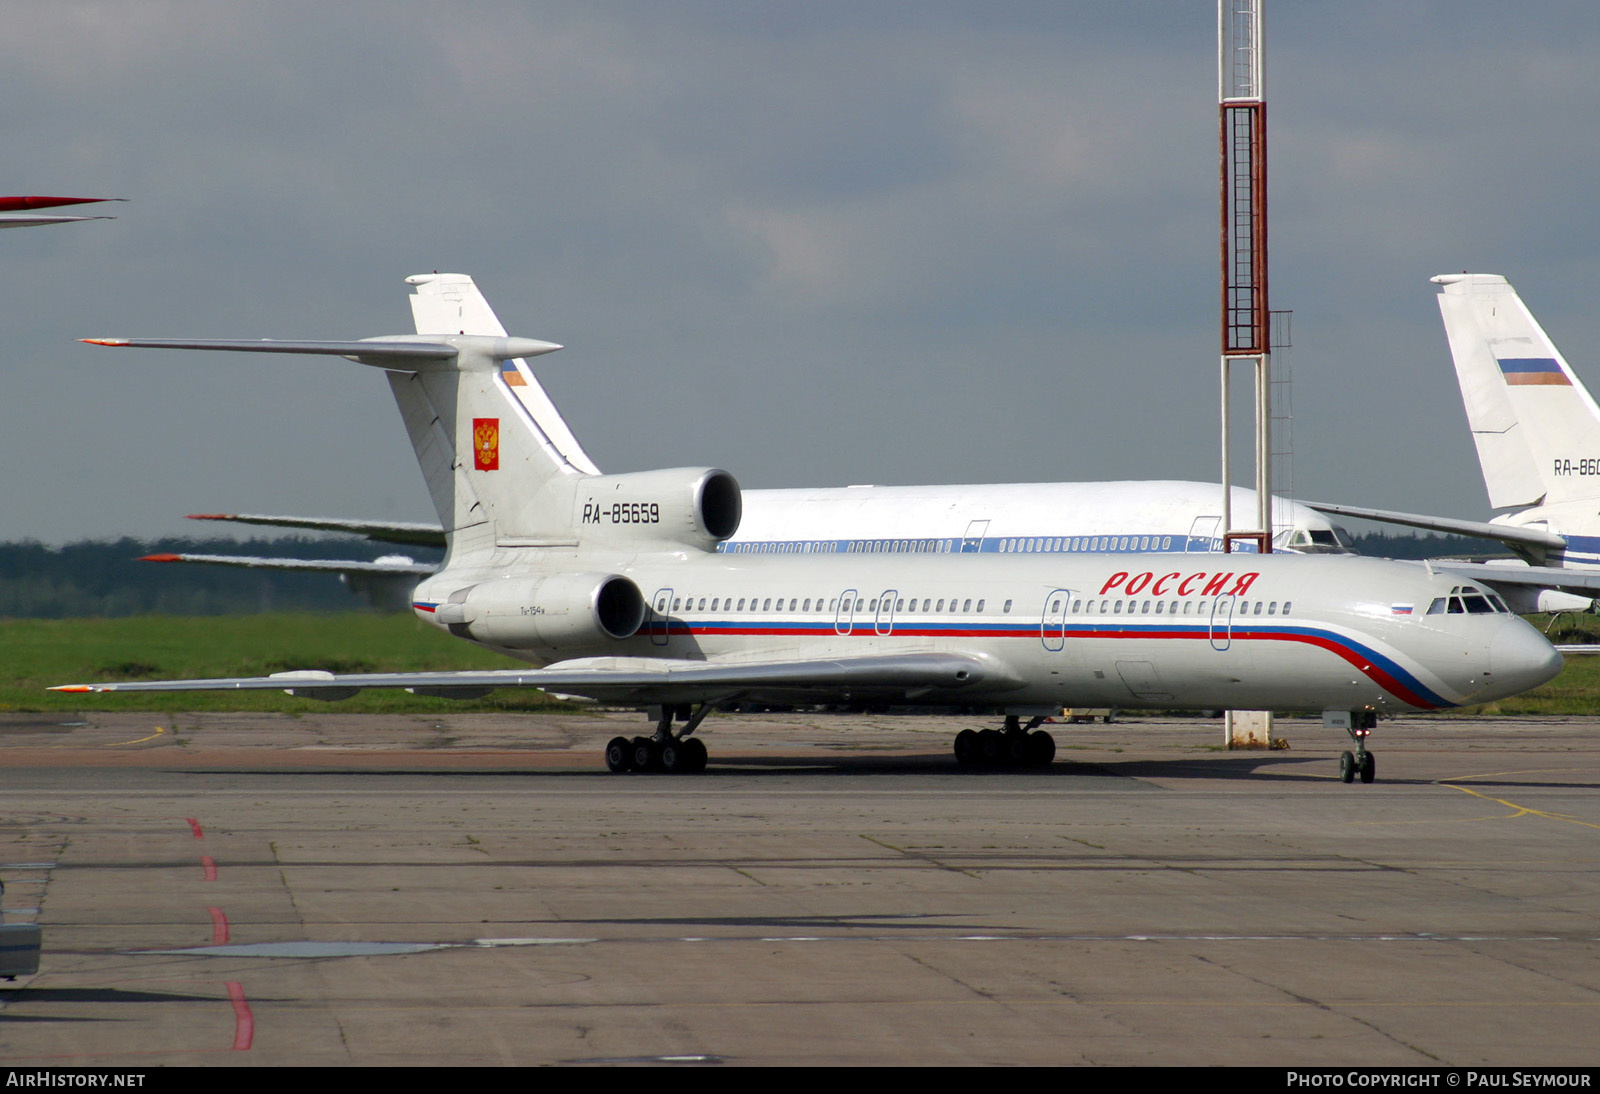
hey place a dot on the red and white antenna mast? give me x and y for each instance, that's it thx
(1246, 321)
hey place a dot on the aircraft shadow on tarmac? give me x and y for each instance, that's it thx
(1250, 766)
(1255, 766)
(35, 996)
(927, 921)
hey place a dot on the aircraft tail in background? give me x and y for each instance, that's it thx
(1537, 432)
(1535, 425)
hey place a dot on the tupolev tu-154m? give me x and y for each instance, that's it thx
(992, 518)
(612, 587)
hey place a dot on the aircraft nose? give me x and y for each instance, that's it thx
(1520, 658)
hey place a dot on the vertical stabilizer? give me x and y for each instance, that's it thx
(443, 304)
(1535, 425)
(488, 467)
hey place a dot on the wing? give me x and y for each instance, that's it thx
(381, 567)
(917, 677)
(411, 533)
(29, 220)
(1531, 543)
(385, 583)
(1579, 582)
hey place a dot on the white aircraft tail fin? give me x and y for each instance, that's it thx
(513, 424)
(1535, 425)
(452, 304)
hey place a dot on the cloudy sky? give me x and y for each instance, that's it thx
(813, 243)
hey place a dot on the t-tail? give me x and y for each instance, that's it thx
(502, 466)
(1535, 425)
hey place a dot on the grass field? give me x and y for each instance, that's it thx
(36, 653)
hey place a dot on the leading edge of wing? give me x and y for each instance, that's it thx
(1505, 533)
(413, 533)
(635, 679)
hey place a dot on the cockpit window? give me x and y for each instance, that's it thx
(1319, 541)
(1468, 600)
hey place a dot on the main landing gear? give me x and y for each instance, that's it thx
(1013, 746)
(1359, 762)
(673, 753)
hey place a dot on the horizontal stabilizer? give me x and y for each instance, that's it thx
(645, 680)
(405, 352)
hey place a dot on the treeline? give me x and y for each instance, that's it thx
(106, 578)
(1431, 545)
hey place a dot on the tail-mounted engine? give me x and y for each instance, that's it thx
(695, 506)
(562, 612)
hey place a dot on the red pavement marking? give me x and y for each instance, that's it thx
(244, 1023)
(211, 867)
(194, 826)
(219, 926)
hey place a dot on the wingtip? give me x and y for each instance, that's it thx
(72, 687)
(162, 557)
(209, 516)
(104, 341)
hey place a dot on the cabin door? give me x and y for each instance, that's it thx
(972, 542)
(1053, 620)
(1222, 622)
(661, 617)
(844, 619)
(1203, 534)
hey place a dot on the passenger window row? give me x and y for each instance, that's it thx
(969, 605)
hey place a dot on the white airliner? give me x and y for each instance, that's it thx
(1537, 431)
(1004, 518)
(615, 587)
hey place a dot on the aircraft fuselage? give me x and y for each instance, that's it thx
(1157, 631)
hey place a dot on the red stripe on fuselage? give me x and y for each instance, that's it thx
(1194, 633)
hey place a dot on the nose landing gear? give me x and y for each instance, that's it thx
(1358, 723)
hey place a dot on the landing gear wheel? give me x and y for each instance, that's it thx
(644, 756)
(1041, 749)
(695, 755)
(1368, 767)
(618, 753)
(991, 746)
(1019, 749)
(1347, 767)
(966, 748)
(673, 758)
